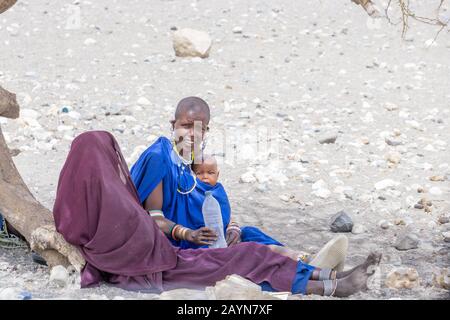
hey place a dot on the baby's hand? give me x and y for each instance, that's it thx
(202, 236)
(233, 236)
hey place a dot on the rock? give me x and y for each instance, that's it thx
(390, 106)
(247, 177)
(393, 142)
(387, 183)
(441, 279)
(327, 139)
(322, 193)
(446, 236)
(10, 294)
(407, 242)
(237, 30)
(284, 198)
(143, 101)
(435, 191)
(235, 287)
(191, 43)
(90, 41)
(184, 294)
(59, 276)
(444, 219)
(384, 224)
(320, 189)
(341, 222)
(393, 157)
(403, 278)
(358, 228)
(437, 178)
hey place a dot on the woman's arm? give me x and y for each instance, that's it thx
(202, 236)
(155, 202)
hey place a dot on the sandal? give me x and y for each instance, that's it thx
(332, 255)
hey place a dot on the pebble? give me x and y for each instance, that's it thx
(393, 157)
(237, 30)
(59, 276)
(403, 278)
(393, 142)
(437, 178)
(407, 242)
(327, 139)
(90, 41)
(143, 101)
(389, 106)
(247, 177)
(441, 279)
(384, 224)
(320, 189)
(358, 228)
(341, 222)
(446, 236)
(444, 219)
(435, 191)
(387, 183)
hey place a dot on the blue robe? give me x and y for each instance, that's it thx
(160, 162)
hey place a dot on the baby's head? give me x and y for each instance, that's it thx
(207, 171)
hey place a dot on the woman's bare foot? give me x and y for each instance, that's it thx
(357, 280)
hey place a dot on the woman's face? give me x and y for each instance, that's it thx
(190, 130)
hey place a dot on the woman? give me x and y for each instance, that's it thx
(169, 191)
(97, 209)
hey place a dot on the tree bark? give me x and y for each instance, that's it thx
(368, 6)
(6, 4)
(31, 219)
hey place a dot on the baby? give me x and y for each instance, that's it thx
(207, 171)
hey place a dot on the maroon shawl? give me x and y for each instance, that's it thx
(97, 209)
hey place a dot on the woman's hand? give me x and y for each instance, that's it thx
(202, 236)
(233, 236)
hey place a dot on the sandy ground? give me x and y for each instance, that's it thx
(300, 69)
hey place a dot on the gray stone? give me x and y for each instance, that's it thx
(327, 139)
(341, 222)
(407, 242)
(444, 219)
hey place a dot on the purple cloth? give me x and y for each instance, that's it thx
(97, 209)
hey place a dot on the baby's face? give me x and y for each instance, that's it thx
(207, 172)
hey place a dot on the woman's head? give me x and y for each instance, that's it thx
(191, 123)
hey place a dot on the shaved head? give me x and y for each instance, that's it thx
(193, 105)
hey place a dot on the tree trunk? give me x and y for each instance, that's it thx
(368, 6)
(6, 4)
(23, 211)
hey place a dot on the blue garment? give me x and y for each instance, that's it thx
(161, 162)
(1, 222)
(304, 273)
